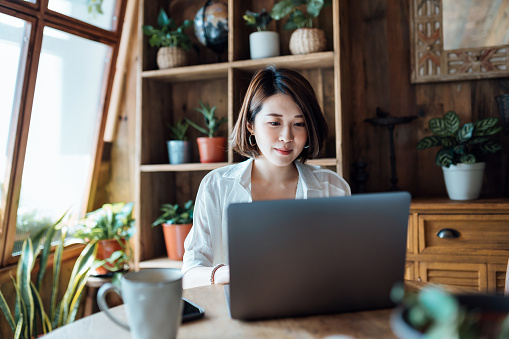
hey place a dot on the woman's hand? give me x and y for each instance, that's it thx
(222, 275)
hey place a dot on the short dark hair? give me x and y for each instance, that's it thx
(270, 81)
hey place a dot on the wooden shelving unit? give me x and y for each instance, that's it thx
(165, 96)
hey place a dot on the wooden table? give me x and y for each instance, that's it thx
(218, 324)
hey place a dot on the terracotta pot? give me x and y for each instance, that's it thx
(212, 149)
(174, 236)
(105, 248)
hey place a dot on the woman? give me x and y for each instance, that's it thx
(280, 126)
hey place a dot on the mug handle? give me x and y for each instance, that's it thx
(103, 305)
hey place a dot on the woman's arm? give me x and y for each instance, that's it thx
(200, 276)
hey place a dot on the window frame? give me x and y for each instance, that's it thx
(39, 16)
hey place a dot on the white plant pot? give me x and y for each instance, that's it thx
(464, 181)
(264, 44)
(179, 151)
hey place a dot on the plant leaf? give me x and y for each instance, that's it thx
(468, 158)
(281, 9)
(25, 266)
(314, 7)
(437, 126)
(465, 133)
(7, 312)
(490, 147)
(452, 122)
(428, 142)
(444, 158)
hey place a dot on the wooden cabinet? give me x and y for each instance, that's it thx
(462, 244)
(165, 96)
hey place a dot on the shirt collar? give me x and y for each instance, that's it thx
(242, 172)
(307, 178)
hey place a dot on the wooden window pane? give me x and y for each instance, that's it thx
(95, 12)
(63, 131)
(14, 36)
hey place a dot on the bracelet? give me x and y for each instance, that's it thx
(214, 272)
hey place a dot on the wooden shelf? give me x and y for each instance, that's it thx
(182, 167)
(304, 61)
(211, 166)
(220, 70)
(169, 95)
(189, 73)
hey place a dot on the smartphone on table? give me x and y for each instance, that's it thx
(191, 311)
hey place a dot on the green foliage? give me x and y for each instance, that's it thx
(95, 7)
(211, 121)
(166, 35)
(467, 144)
(260, 21)
(175, 214)
(438, 314)
(301, 12)
(111, 221)
(29, 308)
(179, 130)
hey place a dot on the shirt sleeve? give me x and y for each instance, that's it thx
(199, 244)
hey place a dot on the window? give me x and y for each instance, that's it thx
(55, 81)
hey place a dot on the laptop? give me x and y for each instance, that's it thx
(291, 258)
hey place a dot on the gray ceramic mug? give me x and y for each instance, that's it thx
(153, 302)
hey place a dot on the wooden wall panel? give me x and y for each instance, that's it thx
(379, 51)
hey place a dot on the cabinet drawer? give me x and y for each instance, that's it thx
(469, 276)
(473, 234)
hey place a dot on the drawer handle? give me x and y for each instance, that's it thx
(448, 233)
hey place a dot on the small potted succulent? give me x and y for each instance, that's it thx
(262, 43)
(305, 39)
(179, 151)
(176, 222)
(462, 153)
(173, 43)
(211, 148)
(110, 226)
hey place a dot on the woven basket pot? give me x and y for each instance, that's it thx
(168, 57)
(307, 40)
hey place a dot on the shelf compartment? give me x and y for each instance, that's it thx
(189, 73)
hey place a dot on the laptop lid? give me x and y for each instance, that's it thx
(324, 255)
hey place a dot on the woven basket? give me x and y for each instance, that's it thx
(307, 40)
(168, 57)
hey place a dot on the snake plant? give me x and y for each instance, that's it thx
(29, 308)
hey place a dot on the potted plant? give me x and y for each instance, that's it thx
(173, 43)
(433, 312)
(110, 227)
(176, 222)
(262, 43)
(32, 315)
(462, 152)
(211, 148)
(178, 147)
(305, 39)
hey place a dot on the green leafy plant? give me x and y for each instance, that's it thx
(179, 129)
(260, 20)
(111, 221)
(175, 214)
(29, 307)
(467, 144)
(167, 35)
(301, 12)
(437, 314)
(211, 121)
(95, 7)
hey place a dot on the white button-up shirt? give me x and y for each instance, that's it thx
(206, 244)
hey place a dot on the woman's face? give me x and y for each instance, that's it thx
(280, 130)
